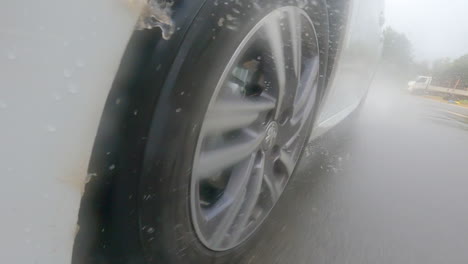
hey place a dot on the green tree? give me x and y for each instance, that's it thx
(459, 70)
(441, 72)
(448, 73)
(441, 66)
(397, 50)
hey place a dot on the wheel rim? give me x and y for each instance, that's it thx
(254, 129)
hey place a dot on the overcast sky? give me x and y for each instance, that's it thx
(437, 28)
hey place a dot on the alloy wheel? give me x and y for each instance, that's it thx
(255, 128)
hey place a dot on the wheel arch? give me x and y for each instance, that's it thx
(121, 138)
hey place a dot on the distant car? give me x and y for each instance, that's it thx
(421, 84)
(170, 143)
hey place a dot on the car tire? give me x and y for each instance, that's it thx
(165, 229)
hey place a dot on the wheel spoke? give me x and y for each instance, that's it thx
(235, 114)
(253, 193)
(270, 182)
(222, 228)
(239, 181)
(287, 160)
(295, 27)
(272, 187)
(275, 41)
(229, 154)
(303, 95)
(289, 133)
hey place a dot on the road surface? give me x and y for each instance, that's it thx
(391, 188)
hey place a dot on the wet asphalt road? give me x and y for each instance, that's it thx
(391, 187)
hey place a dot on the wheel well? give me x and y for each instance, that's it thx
(128, 103)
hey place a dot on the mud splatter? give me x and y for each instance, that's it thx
(157, 14)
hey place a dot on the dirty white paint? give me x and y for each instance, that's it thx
(58, 59)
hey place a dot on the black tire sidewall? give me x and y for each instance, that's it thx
(166, 232)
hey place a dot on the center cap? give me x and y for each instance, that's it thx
(270, 138)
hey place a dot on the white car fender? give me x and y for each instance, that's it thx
(57, 63)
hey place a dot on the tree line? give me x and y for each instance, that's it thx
(398, 53)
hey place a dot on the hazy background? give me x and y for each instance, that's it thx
(436, 28)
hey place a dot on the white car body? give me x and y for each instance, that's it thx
(353, 72)
(57, 63)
